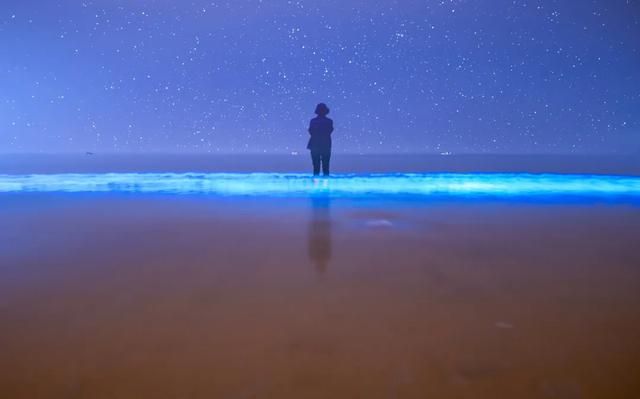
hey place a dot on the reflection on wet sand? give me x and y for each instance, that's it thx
(319, 237)
(165, 297)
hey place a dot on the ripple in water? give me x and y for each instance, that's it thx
(342, 185)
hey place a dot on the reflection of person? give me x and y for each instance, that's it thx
(320, 129)
(319, 238)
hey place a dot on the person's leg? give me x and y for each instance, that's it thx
(315, 159)
(325, 162)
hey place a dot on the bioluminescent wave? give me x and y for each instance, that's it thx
(341, 185)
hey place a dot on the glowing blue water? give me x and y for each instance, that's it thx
(345, 185)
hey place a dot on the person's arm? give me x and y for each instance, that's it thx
(311, 128)
(330, 127)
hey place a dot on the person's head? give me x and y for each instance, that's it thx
(322, 109)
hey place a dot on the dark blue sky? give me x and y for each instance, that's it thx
(456, 76)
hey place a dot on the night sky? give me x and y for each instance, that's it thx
(459, 76)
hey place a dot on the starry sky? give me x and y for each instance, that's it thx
(244, 76)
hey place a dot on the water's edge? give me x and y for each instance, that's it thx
(339, 185)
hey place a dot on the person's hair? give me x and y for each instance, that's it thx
(322, 109)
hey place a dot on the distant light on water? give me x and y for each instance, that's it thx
(342, 185)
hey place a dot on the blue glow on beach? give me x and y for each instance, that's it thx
(341, 185)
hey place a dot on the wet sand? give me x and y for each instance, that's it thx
(134, 296)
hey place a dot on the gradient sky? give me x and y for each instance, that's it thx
(460, 76)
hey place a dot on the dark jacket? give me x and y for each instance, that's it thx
(320, 129)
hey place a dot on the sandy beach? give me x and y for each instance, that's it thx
(143, 296)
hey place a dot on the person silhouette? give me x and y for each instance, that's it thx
(320, 129)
